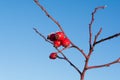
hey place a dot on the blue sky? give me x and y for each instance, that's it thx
(25, 56)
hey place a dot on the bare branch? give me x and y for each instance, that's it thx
(91, 44)
(90, 40)
(60, 51)
(105, 65)
(60, 27)
(91, 22)
(66, 59)
(96, 36)
(42, 35)
(108, 38)
(90, 30)
(48, 15)
(79, 49)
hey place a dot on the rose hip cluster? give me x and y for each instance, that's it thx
(58, 39)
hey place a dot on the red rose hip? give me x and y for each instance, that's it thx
(53, 55)
(59, 35)
(66, 42)
(51, 37)
(57, 43)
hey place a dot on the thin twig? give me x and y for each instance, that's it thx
(108, 38)
(48, 15)
(96, 36)
(65, 58)
(90, 29)
(59, 57)
(79, 49)
(42, 35)
(105, 65)
(91, 22)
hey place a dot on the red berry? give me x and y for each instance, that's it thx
(53, 55)
(66, 42)
(57, 43)
(51, 37)
(59, 35)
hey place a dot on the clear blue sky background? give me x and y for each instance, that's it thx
(25, 56)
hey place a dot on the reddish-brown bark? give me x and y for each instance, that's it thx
(92, 43)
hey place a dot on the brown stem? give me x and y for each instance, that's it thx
(60, 27)
(48, 15)
(65, 58)
(90, 25)
(98, 66)
(60, 51)
(90, 30)
(90, 41)
(105, 65)
(79, 49)
(85, 69)
(82, 76)
(96, 36)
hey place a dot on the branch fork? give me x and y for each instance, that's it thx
(92, 43)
